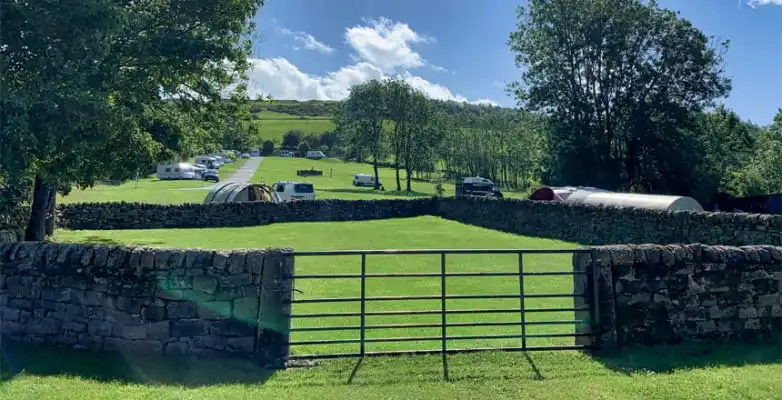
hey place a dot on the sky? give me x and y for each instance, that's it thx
(457, 49)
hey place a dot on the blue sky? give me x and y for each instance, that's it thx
(456, 49)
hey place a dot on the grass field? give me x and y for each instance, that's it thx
(336, 182)
(273, 125)
(148, 190)
(678, 372)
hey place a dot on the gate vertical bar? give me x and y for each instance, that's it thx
(595, 298)
(521, 303)
(362, 348)
(443, 316)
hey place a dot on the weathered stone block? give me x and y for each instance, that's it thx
(181, 309)
(246, 309)
(154, 313)
(99, 328)
(189, 328)
(147, 347)
(159, 330)
(204, 285)
(241, 345)
(130, 331)
(214, 310)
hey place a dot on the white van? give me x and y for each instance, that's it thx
(364, 180)
(291, 191)
(176, 171)
(208, 161)
(315, 155)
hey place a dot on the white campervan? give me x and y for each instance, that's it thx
(176, 171)
(364, 180)
(291, 191)
(315, 155)
(208, 161)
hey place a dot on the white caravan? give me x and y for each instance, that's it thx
(176, 171)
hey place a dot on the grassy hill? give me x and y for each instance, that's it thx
(273, 118)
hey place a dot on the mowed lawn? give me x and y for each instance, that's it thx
(683, 372)
(148, 190)
(337, 179)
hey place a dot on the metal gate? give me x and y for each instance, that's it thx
(442, 295)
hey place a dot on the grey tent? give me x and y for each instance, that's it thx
(230, 192)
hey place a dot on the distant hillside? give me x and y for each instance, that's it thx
(274, 118)
(327, 108)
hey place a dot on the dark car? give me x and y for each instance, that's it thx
(211, 176)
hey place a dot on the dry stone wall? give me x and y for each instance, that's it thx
(140, 300)
(156, 216)
(652, 294)
(595, 225)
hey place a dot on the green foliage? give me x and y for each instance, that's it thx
(291, 140)
(621, 81)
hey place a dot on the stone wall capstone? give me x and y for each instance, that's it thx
(141, 300)
(596, 225)
(158, 216)
(653, 294)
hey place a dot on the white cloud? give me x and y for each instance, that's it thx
(308, 41)
(381, 51)
(386, 44)
(758, 3)
(438, 68)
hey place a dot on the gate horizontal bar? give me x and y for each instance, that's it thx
(438, 312)
(430, 275)
(431, 325)
(437, 351)
(434, 251)
(449, 297)
(435, 338)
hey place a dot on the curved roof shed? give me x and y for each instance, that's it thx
(648, 201)
(231, 192)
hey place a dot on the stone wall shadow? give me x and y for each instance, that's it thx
(39, 360)
(669, 358)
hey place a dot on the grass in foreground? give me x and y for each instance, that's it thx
(413, 233)
(337, 179)
(148, 190)
(679, 372)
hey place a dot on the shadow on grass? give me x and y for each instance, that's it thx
(378, 192)
(94, 239)
(667, 359)
(17, 359)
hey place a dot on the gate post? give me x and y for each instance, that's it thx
(274, 311)
(597, 305)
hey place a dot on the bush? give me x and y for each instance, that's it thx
(268, 148)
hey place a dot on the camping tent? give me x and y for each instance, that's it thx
(230, 192)
(648, 201)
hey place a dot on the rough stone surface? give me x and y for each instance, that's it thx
(139, 300)
(592, 225)
(653, 294)
(596, 225)
(155, 216)
(9, 236)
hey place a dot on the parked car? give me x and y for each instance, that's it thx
(315, 155)
(365, 180)
(286, 153)
(245, 155)
(210, 175)
(208, 161)
(478, 186)
(291, 191)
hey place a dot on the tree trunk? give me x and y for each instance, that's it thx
(398, 182)
(409, 188)
(50, 211)
(36, 225)
(377, 177)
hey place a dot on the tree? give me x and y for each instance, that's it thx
(91, 86)
(619, 80)
(398, 94)
(291, 139)
(303, 149)
(268, 148)
(329, 140)
(364, 112)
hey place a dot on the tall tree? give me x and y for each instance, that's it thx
(364, 112)
(619, 79)
(398, 96)
(91, 86)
